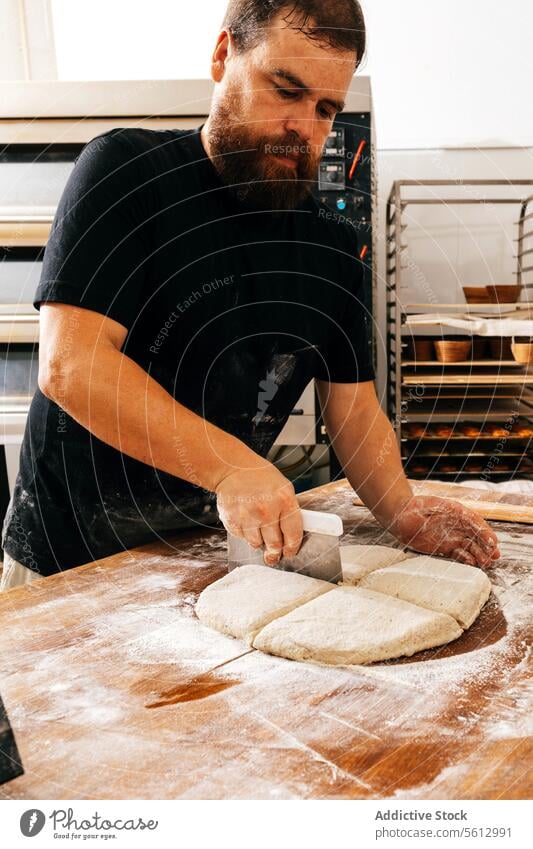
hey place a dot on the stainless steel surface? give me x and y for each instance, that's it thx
(318, 556)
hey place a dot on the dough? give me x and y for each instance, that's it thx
(358, 560)
(352, 625)
(441, 585)
(249, 597)
(411, 605)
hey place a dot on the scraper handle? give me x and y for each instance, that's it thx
(322, 523)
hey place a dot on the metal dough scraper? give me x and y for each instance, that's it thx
(318, 555)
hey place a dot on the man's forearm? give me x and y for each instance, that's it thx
(368, 451)
(117, 401)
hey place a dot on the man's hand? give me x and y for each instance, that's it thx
(259, 504)
(439, 526)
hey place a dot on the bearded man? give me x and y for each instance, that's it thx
(186, 271)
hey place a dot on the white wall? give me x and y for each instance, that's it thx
(451, 73)
(133, 39)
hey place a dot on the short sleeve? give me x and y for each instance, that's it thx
(348, 356)
(97, 253)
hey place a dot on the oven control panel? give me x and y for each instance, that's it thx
(345, 186)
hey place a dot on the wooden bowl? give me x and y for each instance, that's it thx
(449, 351)
(420, 348)
(476, 294)
(522, 350)
(503, 294)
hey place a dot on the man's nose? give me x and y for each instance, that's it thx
(303, 125)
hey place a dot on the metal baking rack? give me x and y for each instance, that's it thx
(467, 419)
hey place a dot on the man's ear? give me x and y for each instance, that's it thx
(220, 56)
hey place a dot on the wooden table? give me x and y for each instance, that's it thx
(115, 690)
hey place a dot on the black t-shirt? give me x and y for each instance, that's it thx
(232, 311)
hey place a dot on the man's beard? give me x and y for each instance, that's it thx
(253, 174)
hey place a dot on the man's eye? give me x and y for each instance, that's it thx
(287, 93)
(326, 114)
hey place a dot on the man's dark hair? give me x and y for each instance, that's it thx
(337, 23)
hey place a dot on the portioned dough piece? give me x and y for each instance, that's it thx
(441, 585)
(352, 625)
(358, 560)
(249, 597)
